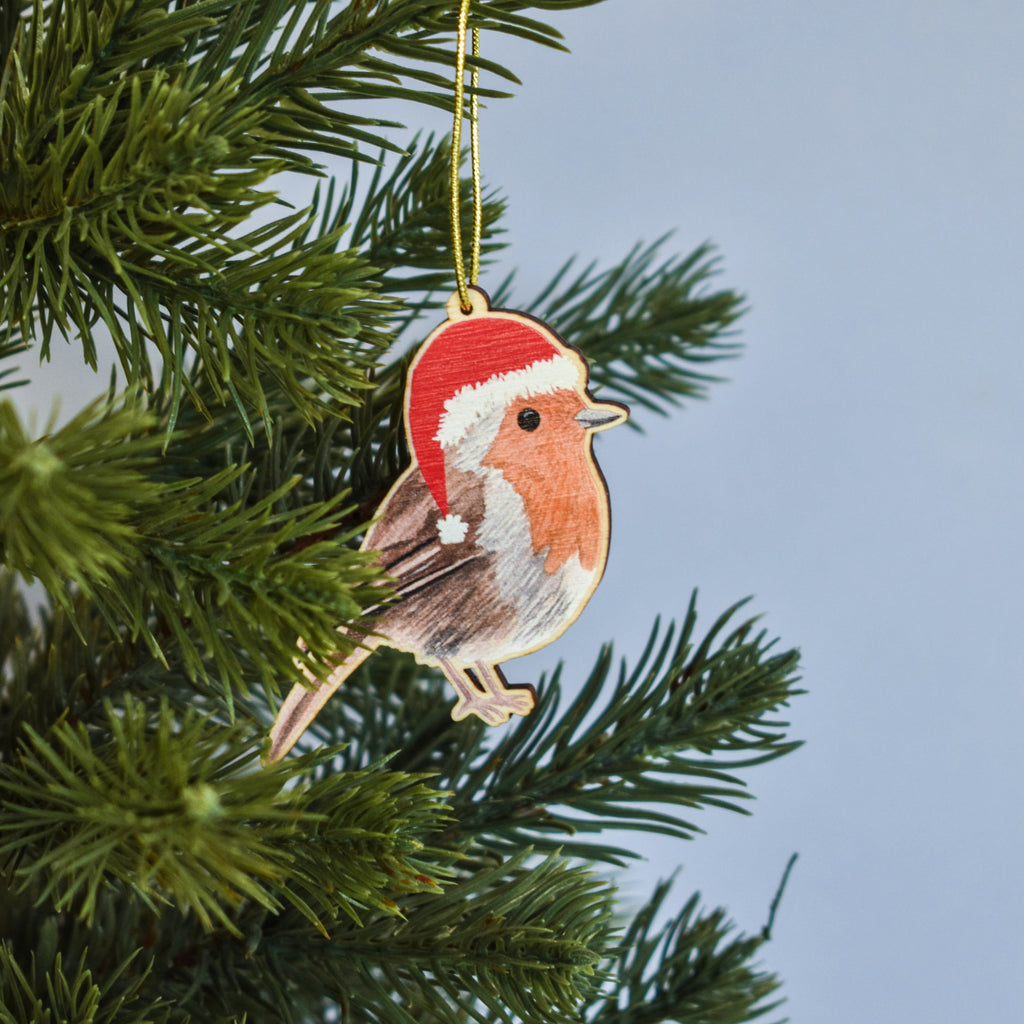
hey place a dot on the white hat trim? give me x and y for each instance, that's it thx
(472, 403)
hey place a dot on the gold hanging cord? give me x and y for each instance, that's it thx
(474, 118)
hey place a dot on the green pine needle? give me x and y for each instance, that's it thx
(43, 990)
(11, 346)
(66, 498)
(668, 736)
(124, 172)
(647, 325)
(690, 969)
(635, 750)
(179, 564)
(180, 813)
(520, 941)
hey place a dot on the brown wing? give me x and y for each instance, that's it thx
(405, 532)
(449, 596)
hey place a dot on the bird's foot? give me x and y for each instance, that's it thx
(494, 708)
(483, 692)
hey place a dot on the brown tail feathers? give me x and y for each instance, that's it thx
(303, 704)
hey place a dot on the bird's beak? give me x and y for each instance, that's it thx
(601, 416)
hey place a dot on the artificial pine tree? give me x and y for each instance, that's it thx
(191, 523)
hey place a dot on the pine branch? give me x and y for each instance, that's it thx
(230, 577)
(644, 325)
(179, 813)
(402, 224)
(140, 960)
(125, 171)
(66, 497)
(188, 562)
(688, 970)
(48, 988)
(521, 943)
(612, 759)
(55, 665)
(627, 753)
(514, 941)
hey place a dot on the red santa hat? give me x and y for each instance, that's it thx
(469, 366)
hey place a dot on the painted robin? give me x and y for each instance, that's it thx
(497, 533)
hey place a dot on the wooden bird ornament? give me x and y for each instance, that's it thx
(497, 533)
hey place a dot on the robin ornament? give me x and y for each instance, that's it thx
(497, 533)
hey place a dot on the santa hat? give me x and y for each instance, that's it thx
(472, 364)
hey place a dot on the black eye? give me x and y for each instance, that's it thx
(528, 419)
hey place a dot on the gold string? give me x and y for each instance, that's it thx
(474, 123)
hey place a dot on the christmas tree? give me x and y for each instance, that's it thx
(204, 512)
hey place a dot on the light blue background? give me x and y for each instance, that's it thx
(860, 168)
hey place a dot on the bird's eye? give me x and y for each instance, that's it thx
(528, 419)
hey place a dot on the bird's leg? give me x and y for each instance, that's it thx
(472, 700)
(518, 699)
(493, 700)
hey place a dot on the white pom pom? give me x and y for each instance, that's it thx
(452, 529)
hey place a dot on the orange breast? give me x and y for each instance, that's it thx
(553, 470)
